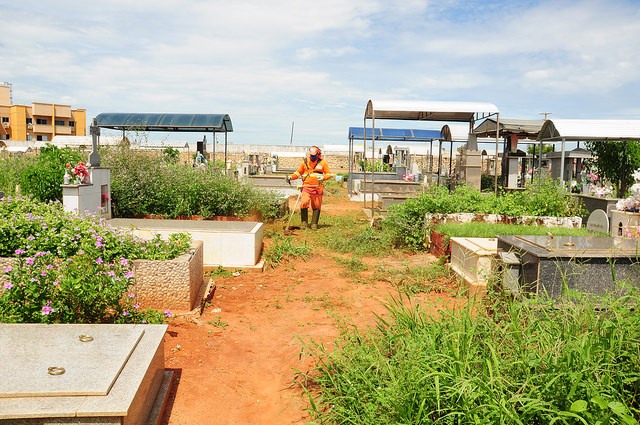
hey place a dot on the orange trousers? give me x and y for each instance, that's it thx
(311, 196)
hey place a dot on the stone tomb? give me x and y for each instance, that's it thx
(225, 243)
(550, 265)
(81, 374)
(474, 259)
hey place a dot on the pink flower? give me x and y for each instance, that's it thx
(136, 306)
(125, 313)
(29, 260)
(8, 269)
(19, 251)
(123, 261)
(128, 275)
(132, 295)
(47, 309)
(8, 285)
(99, 260)
(168, 313)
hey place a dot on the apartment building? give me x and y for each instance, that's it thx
(40, 121)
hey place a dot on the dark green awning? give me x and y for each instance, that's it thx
(198, 123)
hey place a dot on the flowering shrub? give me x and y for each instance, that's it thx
(631, 203)
(34, 226)
(71, 269)
(78, 289)
(631, 231)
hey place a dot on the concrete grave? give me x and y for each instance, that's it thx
(552, 265)
(598, 221)
(225, 243)
(474, 260)
(81, 374)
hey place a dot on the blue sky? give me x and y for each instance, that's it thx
(270, 62)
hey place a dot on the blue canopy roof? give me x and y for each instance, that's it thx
(397, 134)
(199, 123)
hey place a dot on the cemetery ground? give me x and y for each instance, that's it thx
(236, 363)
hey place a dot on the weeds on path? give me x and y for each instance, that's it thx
(528, 364)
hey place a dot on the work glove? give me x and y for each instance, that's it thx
(318, 176)
(287, 179)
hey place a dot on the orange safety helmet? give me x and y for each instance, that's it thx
(314, 150)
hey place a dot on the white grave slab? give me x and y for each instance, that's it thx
(473, 260)
(50, 361)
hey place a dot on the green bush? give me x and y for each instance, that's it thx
(34, 226)
(532, 363)
(38, 176)
(143, 183)
(547, 197)
(71, 269)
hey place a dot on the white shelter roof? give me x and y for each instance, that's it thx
(428, 110)
(455, 132)
(587, 130)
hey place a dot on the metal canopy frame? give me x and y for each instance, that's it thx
(564, 130)
(413, 110)
(390, 135)
(184, 123)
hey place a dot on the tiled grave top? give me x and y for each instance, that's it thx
(185, 225)
(570, 246)
(90, 367)
(479, 246)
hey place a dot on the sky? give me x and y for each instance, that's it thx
(315, 64)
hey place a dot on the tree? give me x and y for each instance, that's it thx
(533, 149)
(616, 161)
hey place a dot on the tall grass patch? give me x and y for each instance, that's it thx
(526, 363)
(489, 230)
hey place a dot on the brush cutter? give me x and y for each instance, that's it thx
(288, 229)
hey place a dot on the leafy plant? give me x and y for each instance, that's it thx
(284, 248)
(43, 178)
(490, 230)
(78, 289)
(512, 363)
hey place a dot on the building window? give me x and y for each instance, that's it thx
(29, 137)
(41, 121)
(72, 123)
(59, 122)
(6, 137)
(42, 138)
(29, 120)
(5, 119)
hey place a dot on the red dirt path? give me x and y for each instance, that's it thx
(242, 373)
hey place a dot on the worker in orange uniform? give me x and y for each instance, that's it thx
(314, 171)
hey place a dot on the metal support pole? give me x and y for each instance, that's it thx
(430, 161)
(214, 148)
(225, 149)
(495, 165)
(562, 162)
(450, 156)
(350, 177)
(540, 162)
(364, 165)
(439, 160)
(373, 160)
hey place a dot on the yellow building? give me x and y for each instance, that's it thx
(40, 121)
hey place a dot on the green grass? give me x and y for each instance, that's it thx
(526, 363)
(412, 280)
(488, 230)
(347, 234)
(284, 248)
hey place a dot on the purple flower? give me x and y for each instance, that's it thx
(132, 295)
(8, 285)
(123, 261)
(30, 237)
(49, 266)
(47, 309)
(8, 269)
(20, 251)
(99, 260)
(128, 275)
(43, 273)
(29, 260)
(112, 273)
(144, 321)
(81, 252)
(125, 313)
(136, 306)
(168, 313)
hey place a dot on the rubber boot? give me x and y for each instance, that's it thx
(314, 219)
(304, 218)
